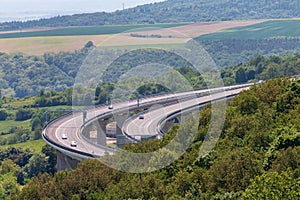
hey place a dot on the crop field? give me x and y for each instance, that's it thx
(90, 30)
(125, 40)
(41, 45)
(170, 36)
(265, 30)
(197, 29)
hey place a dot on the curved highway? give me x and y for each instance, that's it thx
(71, 125)
(148, 124)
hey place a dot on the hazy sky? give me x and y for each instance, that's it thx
(32, 9)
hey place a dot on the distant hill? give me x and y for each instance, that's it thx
(238, 45)
(174, 11)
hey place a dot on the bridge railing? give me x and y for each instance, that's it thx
(55, 144)
(159, 128)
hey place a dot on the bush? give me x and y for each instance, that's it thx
(23, 114)
(3, 115)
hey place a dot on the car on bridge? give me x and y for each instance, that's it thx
(110, 107)
(64, 136)
(73, 143)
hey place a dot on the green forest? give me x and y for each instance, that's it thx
(257, 157)
(22, 75)
(172, 11)
(262, 68)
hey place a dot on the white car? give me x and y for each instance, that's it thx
(110, 107)
(141, 117)
(73, 143)
(64, 136)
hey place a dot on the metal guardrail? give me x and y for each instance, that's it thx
(174, 114)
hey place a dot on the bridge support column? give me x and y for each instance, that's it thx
(87, 131)
(65, 162)
(168, 124)
(121, 139)
(101, 132)
(177, 120)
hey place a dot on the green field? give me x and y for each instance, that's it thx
(35, 145)
(154, 46)
(90, 30)
(5, 126)
(265, 30)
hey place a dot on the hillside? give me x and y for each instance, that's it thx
(23, 75)
(233, 46)
(256, 157)
(174, 11)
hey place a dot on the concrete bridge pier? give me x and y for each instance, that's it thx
(121, 139)
(101, 131)
(65, 162)
(96, 131)
(168, 124)
(87, 131)
(177, 120)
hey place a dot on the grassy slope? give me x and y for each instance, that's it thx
(265, 30)
(35, 146)
(5, 126)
